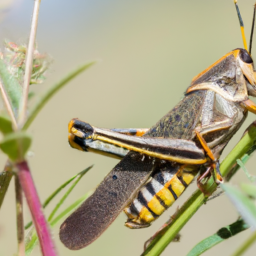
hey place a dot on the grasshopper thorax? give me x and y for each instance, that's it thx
(233, 77)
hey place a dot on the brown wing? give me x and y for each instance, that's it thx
(112, 195)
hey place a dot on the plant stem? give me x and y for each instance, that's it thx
(198, 198)
(33, 201)
(5, 178)
(29, 64)
(8, 106)
(19, 214)
(246, 245)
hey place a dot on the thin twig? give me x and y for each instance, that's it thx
(29, 64)
(8, 106)
(34, 204)
(19, 214)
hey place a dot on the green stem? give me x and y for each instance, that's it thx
(19, 218)
(246, 245)
(159, 243)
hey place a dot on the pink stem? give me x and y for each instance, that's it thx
(33, 201)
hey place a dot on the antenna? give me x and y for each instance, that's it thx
(241, 25)
(253, 21)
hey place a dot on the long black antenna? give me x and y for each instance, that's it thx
(241, 25)
(253, 21)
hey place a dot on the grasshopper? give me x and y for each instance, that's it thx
(159, 163)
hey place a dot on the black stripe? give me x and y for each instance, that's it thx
(152, 191)
(159, 177)
(134, 210)
(182, 181)
(150, 188)
(173, 193)
(144, 202)
(162, 202)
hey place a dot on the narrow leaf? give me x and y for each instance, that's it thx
(78, 178)
(244, 205)
(248, 175)
(52, 91)
(221, 235)
(249, 189)
(60, 188)
(15, 145)
(32, 240)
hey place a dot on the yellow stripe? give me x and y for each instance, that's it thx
(187, 177)
(71, 138)
(166, 196)
(176, 185)
(155, 206)
(70, 125)
(244, 38)
(146, 215)
(150, 153)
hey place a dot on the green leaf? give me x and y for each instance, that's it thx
(16, 145)
(248, 175)
(31, 238)
(5, 125)
(249, 189)
(60, 188)
(244, 205)
(52, 91)
(12, 87)
(221, 235)
(77, 179)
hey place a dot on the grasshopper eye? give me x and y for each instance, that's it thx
(245, 57)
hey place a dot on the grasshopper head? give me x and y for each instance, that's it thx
(246, 64)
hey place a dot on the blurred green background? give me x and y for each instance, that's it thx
(148, 52)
